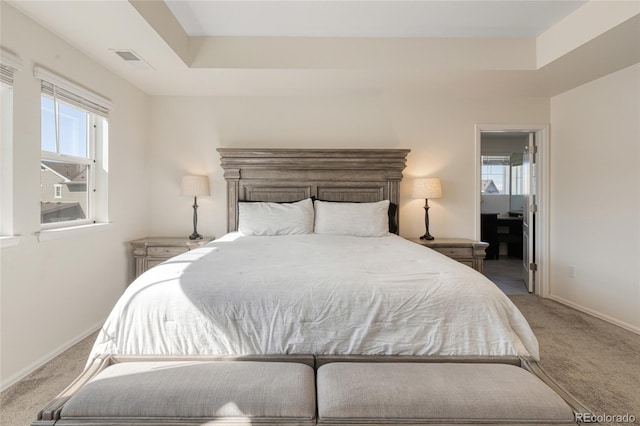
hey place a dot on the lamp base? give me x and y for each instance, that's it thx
(195, 235)
(427, 236)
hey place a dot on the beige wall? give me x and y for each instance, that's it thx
(440, 133)
(595, 197)
(55, 292)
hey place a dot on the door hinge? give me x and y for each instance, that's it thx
(533, 267)
(533, 149)
(533, 208)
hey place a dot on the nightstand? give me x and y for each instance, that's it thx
(151, 251)
(469, 252)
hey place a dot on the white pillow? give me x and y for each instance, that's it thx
(359, 219)
(275, 218)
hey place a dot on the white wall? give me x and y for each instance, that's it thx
(440, 132)
(495, 203)
(55, 292)
(595, 197)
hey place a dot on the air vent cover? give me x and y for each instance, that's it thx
(133, 59)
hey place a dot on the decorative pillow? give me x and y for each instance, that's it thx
(275, 218)
(359, 219)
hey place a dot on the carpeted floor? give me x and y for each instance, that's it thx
(597, 362)
(20, 404)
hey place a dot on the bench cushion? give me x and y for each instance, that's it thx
(188, 389)
(436, 392)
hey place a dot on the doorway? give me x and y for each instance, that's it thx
(509, 217)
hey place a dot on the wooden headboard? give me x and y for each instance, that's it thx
(280, 175)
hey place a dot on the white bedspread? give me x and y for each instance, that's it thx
(314, 294)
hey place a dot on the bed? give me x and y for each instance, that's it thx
(312, 310)
(314, 293)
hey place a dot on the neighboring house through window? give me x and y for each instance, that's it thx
(73, 166)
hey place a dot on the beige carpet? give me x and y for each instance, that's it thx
(597, 362)
(20, 404)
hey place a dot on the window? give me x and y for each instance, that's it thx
(6, 139)
(73, 163)
(495, 174)
(57, 191)
(67, 143)
(517, 180)
(9, 63)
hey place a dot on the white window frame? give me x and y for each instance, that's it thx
(6, 156)
(9, 63)
(88, 161)
(506, 174)
(517, 180)
(97, 108)
(57, 190)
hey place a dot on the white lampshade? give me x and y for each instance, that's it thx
(195, 185)
(427, 188)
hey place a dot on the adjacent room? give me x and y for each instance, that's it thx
(505, 161)
(348, 194)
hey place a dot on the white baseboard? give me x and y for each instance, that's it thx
(596, 314)
(10, 381)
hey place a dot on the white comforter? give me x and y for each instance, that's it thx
(314, 294)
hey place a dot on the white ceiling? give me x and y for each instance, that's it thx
(447, 46)
(361, 18)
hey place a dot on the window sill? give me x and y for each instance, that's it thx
(12, 241)
(59, 233)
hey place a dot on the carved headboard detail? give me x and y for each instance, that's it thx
(280, 175)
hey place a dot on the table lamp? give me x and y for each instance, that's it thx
(427, 188)
(195, 186)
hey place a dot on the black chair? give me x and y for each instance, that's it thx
(489, 234)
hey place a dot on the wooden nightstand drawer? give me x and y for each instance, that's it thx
(467, 252)
(455, 252)
(149, 252)
(151, 263)
(166, 251)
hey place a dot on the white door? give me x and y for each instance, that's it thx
(528, 214)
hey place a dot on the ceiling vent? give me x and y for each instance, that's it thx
(133, 59)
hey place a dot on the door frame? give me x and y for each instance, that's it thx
(542, 194)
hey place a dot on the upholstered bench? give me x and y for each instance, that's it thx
(443, 393)
(308, 390)
(183, 392)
